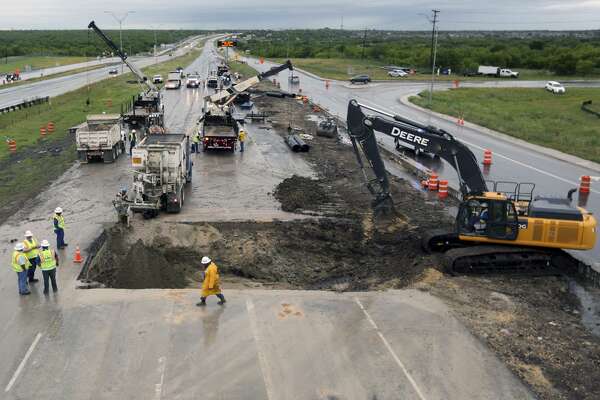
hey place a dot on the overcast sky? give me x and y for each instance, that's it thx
(357, 14)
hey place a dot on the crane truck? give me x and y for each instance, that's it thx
(146, 112)
(496, 230)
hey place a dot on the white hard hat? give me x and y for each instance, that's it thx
(133, 130)
(205, 260)
(28, 234)
(58, 210)
(45, 243)
(19, 246)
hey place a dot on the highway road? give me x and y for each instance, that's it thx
(156, 344)
(57, 86)
(511, 162)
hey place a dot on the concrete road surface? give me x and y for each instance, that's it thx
(156, 344)
(510, 162)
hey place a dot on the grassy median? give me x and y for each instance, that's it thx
(38, 161)
(534, 115)
(37, 62)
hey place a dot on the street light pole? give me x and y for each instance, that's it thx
(433, 53)
(120, 19)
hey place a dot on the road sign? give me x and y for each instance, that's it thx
(227, 43)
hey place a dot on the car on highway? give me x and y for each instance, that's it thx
(113, 71)
(193, 81)
(397, 73)
(157, 79)
(360, 79)
(555, 87)
(179, 69)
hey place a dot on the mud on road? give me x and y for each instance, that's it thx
(533, 324)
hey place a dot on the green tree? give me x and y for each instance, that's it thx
(585, 67)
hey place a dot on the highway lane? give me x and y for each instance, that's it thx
(510, 163)
(57, 86)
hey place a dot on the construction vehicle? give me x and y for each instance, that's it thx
(217, 128)
(100, 137)
(146, 110)
(496, 230)
(162, 167)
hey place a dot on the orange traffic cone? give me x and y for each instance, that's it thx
(78, 258)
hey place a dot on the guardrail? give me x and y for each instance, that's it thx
(25, 104)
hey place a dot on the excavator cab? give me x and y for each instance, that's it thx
(488, 217)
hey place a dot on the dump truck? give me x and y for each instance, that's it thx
(218, 129)
(173, 80)
(161, 169)
(100, 138)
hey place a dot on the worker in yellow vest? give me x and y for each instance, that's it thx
(48, 264)
(31, 247)
(242, 139)
(59, 228)
(211, 284)
(196, 142)
(20, 265)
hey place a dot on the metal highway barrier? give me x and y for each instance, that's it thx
(24, 104)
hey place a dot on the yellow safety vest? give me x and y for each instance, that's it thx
(15, 261)
(242, 136)
(196, 138)
(61, 221)
(33, 245)
(48, 261)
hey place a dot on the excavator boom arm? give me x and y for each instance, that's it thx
(425, 138)
(136, 71)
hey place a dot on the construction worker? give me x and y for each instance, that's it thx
(31, 247)
(211, 284)
(132, 140)
(242, 139)
(196, 142)
(48, 264)
(59, 228)
(20, 265)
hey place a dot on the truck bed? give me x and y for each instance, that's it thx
(171, 138)
(219, 131)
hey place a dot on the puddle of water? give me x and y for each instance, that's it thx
(590, 306)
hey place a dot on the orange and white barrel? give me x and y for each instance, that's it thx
(433, 182)
(12, 145)
(487, 157)
(50, 127)
(585, 184)
(443, 189)
(42, 131)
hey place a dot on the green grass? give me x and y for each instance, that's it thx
(53, 76)
(534, 115)
(344, 68)
(37, 62)
(243, 69)
(25, 173)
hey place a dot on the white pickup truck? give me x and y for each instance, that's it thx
(497, 71)
(100, 137)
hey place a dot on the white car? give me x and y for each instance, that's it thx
(397, 73)
(555, 87)
(157, 79)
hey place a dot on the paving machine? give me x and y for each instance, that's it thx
(497, 230)
(146, 112)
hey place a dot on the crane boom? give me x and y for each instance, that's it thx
(248, 83)
(429, 139)
(136, 71)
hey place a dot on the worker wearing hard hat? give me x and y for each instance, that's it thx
(20, 265)
(48, 264)
(242, 139)
(59, 228)
(132, 140)
(31, 247)
(211, 283)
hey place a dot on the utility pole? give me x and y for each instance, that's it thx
(433, 52)
(120, 19)
(364, 44)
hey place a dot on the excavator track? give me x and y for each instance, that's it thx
(483, 259)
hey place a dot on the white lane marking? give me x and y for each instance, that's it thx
(507, 158)
(391, 351)
(262, 359)
(162, 364)
(23, 362)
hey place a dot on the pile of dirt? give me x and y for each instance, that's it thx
(300, 193)
(308, 254)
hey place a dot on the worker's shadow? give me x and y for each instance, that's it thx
(210, 325)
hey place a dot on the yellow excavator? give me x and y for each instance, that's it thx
(496, 230)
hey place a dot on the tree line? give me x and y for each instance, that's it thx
(82, 42)
(564, 54)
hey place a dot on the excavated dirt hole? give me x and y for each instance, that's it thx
(308, 254)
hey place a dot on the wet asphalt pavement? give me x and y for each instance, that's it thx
(156, 344)
(511, 162)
